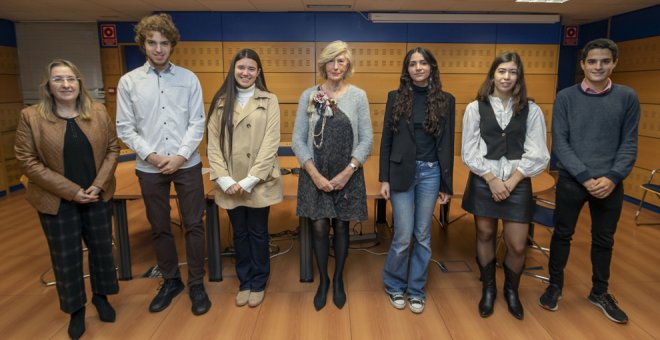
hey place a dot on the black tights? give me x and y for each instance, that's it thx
(320, 232)
(515, 238)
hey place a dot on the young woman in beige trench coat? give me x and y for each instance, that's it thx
(244, 135)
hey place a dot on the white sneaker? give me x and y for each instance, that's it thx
(416, 305)
(397, 301)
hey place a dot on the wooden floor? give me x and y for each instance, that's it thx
(31, 311)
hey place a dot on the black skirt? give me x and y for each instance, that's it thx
(518, 207)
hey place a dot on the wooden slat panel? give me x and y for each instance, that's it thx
(111, 61)
(110, 81)
(9, 115)
(377, 85)
(7, 139)
(460, 58)
(639, 54)
(457, 143)
(289, 86)
(460, 113)
(536, 58)
(210, 84)
(645, 84)
(542, 87)
(648, 153)
(463, 86)
(547, 115)
(10, 89)
(8, 60)
(276, 56)
(3, 177)
(373, 57)
(377, 117)
(287, 117)
(631, 185)
(649, 123)
(13, 172)
(375, 148)
(285, 137)
(199, 56)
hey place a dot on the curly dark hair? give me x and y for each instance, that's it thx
(519, 94)
(156, 23)
(436, 100)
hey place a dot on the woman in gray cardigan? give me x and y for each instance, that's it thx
(332, 138)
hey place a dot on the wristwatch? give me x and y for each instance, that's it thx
(353, 166)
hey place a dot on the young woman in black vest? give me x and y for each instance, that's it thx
(504, 144)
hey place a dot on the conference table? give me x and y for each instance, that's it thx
(128, 188)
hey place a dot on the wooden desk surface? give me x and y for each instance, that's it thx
(128, 186)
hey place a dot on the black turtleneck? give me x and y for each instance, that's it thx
(424, 142)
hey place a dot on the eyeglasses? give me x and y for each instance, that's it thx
(61, 80)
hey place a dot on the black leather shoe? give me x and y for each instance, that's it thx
(170, 289)
(338, 293)
(200, 301)
(106, 312)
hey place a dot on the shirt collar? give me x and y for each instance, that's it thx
(171, 69)
(585, 87)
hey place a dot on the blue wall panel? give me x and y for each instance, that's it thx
(636, 25)
(529, 33)
(7, 33)
(567, 66)
(592, 31)
(452, 33)
(355, 27)
(198, 26)
(240, 26)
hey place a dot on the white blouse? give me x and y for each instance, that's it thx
(535, 156)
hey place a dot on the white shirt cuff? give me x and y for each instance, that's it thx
(248, 183)
(225, 182)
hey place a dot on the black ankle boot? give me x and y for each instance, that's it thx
(103, 307)
(488, 290)
(338, 293)
(511, 283)
(77, 324)
(321, 294)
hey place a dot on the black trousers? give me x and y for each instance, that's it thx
(190, 191)
(605, 214)
(250, 226)
(91, 223)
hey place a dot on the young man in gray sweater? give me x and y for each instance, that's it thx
(594, 136)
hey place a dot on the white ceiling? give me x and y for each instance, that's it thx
(572, 12)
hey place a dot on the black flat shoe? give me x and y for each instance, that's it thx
(103, 307)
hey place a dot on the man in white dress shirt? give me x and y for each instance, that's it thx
(160, 115)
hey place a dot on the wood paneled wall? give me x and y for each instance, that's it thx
(11, 103)
(639, 67)
(290, 68)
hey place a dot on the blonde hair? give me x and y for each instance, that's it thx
(47, 105)
(332, 51)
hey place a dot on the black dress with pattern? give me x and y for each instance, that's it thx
(330, 158)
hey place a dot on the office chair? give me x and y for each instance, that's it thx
(649, 186)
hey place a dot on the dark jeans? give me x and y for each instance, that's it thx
(250, 226)
(190, 192)
(91, 223)
(605, 214)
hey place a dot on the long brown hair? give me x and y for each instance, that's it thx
(47, 107)
(436, 100)
(228, 93)
(519, 93)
